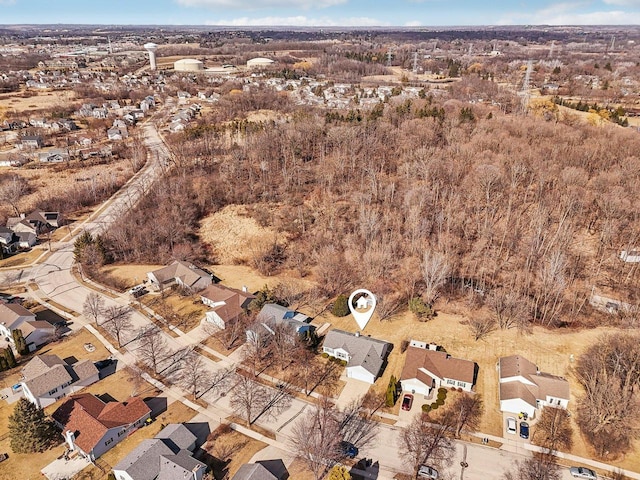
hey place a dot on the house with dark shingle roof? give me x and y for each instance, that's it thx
(365, 356)
(273, 316)
(227, 304)
(524, 388)
(93, 427)
(262, 470)
(182, 273)
(426, 368)
(167, 456)
(12, 316)
(48, 378)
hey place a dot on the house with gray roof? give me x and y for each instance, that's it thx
(167, 456)
(262, 470)
(181, 273)
(366, 357)
(48, 378)
(273, 316)
(12, 317)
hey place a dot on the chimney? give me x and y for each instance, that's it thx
(70, 438)
(245, 289)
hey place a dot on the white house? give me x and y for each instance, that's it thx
(37, 333)
(167, 456)
(226, 304)
(524, 388)
(365, 356)
(47, 378)
(426, 368)
(12, 317)
(631, 256)
(92, 427)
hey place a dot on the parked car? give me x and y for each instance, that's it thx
(100, 364)
(348, 449)
(524, 430)
(511, 425)
(407, 401)
(582, 472)
(137, 291)
(427, 472)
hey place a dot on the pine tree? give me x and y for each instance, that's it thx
(29, 429)
(11, 359)
(19, 342)
(3, 364)
(341, 306)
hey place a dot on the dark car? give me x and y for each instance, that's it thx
(348, 449)
(407, 401)
(524, 430)
(103, 363)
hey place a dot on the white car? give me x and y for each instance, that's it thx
(511, 425)
(427, 472)
(582, 472)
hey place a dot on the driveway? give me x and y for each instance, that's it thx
(353, 389)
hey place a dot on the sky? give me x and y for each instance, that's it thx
(322, 13)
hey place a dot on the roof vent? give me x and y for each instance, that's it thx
(357, 334)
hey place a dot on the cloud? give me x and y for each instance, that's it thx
(573, 13)
(298, 21)
(7, 2)
(413, 23)
(623, 3)
(261, 4)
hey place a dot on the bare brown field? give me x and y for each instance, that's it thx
(131, 274)
(12, 104)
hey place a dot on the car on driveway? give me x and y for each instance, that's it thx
(137, 291)
(427, 472)
(100, 364)
(511, 425)
(348, 449)
(582, 472)
(407, 401)
(524, 430)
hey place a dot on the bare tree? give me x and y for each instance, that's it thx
(423, 441)
(93, 306)
(12, 188)
(194, 376)
(315, 437)
(467, 412)
(153, 347)
(234, 330)
(274, 401)
(247, 396)
(117, 321)
(481, 326)
(540, 467)
(510, 309)
(435, 272)
(356, 423)
(553, 430)
(219, 379)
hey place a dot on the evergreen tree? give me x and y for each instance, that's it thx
(3, 364)
(11, 359)
(341, 306)
(30, 430)
(19, 341)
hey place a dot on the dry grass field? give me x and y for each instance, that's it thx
(239, 447)
(130, 274)
(12, 104)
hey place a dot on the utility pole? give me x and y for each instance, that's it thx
(415, 62)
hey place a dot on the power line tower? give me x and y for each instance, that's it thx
(415, 62)
(524, 93)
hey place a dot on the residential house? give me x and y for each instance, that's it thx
(630, 256)
(48, 378)
(427, 368)
(167, 456)
(181, 273)
(32, 141)
(117, 133)
(13, 160)
(227, 304)
(365, 356)
(54, 155)
(12, 317)
(37, 333)
(273, 315)
(8, 240)
(92, 427)
(262, 470)
(524, 388)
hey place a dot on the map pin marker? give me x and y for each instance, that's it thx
(364, 307)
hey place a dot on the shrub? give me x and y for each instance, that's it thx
(441, 396)
(439, 401)
(325, 355)
(426, 408)
(404, 345)
(434, 406)
(442, 390)
(341, 306)
(420, 309)
(343, 363)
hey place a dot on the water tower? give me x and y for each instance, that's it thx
(151, 48)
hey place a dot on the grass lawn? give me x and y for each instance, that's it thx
(234, 446)
(130, 274)
(22, 258)
(73, 346)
